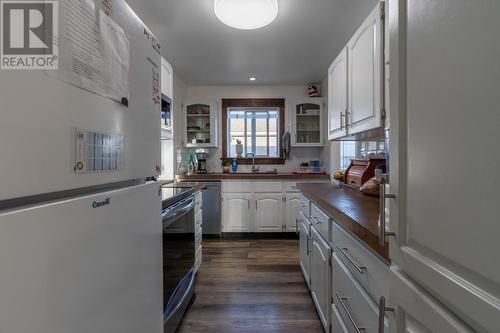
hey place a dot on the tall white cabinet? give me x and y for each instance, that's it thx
(356, 81)
(365, 84)
(445, 178)
(337, 97)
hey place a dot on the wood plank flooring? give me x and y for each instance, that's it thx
(251, 286)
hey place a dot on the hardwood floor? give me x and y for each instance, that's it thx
(251, 286)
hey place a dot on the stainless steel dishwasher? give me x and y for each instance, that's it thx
(212, 208)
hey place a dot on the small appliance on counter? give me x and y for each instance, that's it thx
(201, 157)
(360, 171)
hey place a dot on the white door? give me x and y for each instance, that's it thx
(445, 214)
(365, 62)
(337, 97)
(167, 78)
(88, 264)
(321, 276)
(417, 311)
(304, 237)
(238, 212)
(268, 212)
(292, 211)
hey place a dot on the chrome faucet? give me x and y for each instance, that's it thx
(254, 168)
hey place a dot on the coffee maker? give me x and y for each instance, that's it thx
(201, 157)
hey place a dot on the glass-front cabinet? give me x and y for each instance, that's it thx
(200, 124)
(307, 123)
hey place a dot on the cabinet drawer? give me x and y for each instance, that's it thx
(305, 206)
(321, 221)
(230, 186)
(338, 325)
(318, 215)
(368, 270)
(269, 186)
(290, 187)
(356, 307)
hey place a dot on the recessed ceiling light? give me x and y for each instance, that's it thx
(252, 78)
(246, 14)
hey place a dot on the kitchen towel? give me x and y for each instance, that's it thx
(286, 145)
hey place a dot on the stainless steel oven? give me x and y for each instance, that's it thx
(178, 261)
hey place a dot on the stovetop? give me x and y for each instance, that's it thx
(170, 196)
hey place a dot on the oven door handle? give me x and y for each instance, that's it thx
(168, 216)
(191, 276)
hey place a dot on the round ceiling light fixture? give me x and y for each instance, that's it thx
(252, 78)
(246, 14)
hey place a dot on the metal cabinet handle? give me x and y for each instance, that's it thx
(348, 256)
(381, 223)
(297, 226)
(382, 309)
(342, 116)
(315, 219)
(248, 201)
(349, 314)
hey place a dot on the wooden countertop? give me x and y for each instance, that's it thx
(267, 176)
(352, 209)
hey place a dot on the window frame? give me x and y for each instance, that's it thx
(277, 103)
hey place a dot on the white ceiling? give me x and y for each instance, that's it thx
(296, 48)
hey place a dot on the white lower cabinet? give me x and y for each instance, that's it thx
(304, 238)
(419, 312)
(321, 276)
(292, 211)
(238, 212)
(356, 307)
(268, 212)
(257, 206)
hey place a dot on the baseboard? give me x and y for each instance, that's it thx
(254, 235)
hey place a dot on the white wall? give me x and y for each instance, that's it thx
(331, 153)
(169, 147)
(290, 93)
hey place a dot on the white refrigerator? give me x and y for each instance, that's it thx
(81, 234)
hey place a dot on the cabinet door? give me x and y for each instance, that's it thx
(305, 259)
(292, 211)
(307, 123)
(417, 311)
(365, 62)
(321, 276)
(167, 78)
(446, 223)
(337, 97)
(238, 212)
(268, 212)
(200, 125)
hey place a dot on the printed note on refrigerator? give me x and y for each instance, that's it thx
(94, 52)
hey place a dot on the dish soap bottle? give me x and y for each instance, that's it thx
(234, 165)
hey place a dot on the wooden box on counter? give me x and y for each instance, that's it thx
(361, 171)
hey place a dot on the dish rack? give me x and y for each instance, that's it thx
(309, 170)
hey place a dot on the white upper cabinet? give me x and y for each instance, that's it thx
(307, 123)
(365, 63)
(444, 154)
(167, 78)
(356, 81)
(337, 97)
(268, 212)
(200, 124)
